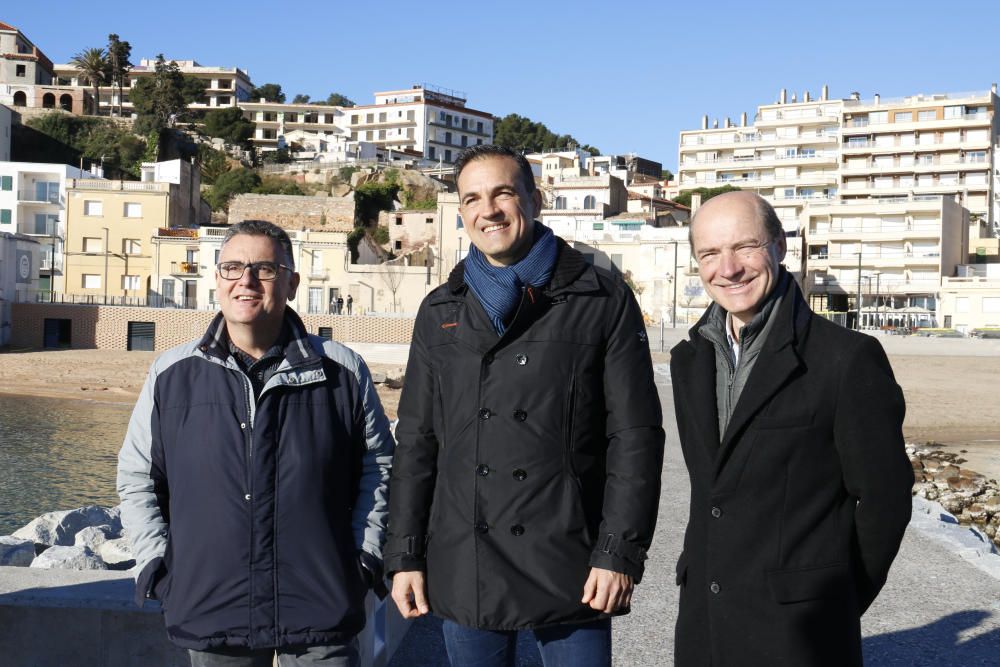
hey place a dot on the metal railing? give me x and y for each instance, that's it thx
(150, 301)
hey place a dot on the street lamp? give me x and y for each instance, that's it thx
(878, 276)
(106, 252)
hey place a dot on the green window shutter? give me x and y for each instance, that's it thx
(6, 182)
(4, 215)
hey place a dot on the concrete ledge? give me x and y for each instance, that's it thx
(68, 617)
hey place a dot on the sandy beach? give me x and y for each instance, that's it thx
(950, 388)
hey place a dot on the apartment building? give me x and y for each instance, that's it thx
(275, 121)
(886, 258)
(27, 76)
(572, 201)
(424, 121)
(224, 86)
(33, 203)
(971, 300)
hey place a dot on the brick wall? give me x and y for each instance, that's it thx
(335, 214)
(106, 327)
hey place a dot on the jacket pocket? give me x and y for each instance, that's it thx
(681, 570)
(813, 583)
(568, 415)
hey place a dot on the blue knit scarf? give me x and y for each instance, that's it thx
(498, 288)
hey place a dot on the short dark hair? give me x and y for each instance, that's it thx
(263, 228)
(765, 213)
(484, 151)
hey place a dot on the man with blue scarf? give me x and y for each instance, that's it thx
(527, 475)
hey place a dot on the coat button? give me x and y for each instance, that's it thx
(482, 527)
(520, 415)
(715, 588)
(246, 497)
(520, 359)
(716, 512)
(520, 475)
(482, 470)
(517, 530)
(484, 413)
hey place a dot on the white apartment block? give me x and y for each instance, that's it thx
(33, 203)
(224, 86)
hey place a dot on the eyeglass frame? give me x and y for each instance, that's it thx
(254, 268)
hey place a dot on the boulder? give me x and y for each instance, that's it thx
(340, 190)
(116, 552)
(68, 558)
(378, 377)
(418, 186)
(16, 552)
(953, 503)
(60, 528)
(94, 536)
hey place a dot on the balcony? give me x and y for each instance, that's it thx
(33, 197)
(319, 274)
(126, 186)
(45, 263)
(184, 268)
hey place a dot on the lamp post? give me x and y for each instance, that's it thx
(106, 253)
(857, 319)
(673, 305)
(878, 276)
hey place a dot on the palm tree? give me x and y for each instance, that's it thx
(93, 68)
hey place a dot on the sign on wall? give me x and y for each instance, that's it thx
(23, 267)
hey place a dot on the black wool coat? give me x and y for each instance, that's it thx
(526, 459)
(798, 509)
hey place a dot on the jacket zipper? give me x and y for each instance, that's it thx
(248, 495)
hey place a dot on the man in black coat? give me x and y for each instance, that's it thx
(527, 475)
(791, 428)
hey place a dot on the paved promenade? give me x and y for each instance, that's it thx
(937, 608)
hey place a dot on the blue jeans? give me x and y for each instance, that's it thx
(584, 645)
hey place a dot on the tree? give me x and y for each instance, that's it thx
(667, 175)
(93, 68)
(229, 125)
(119, 64)
(213, 164)
(229, 184)
(522, 134)
(300, 99)
(392, 273)
(162, 98)
(338, 100)
(269, 92)
(117, 149)
(684, 198)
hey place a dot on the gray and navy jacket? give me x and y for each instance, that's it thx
(247, 516)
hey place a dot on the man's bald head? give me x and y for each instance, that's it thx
(762, 209)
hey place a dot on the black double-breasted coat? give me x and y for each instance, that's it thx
(798, 509)
(525, 459)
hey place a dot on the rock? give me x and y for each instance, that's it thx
(947, 471)
(94, 536)
(961, 483)
(953, 503)
(976, 513)
(418, 186)
(378, 377)
(16, 552)
(340, 190)
(117, 553)
(60, 528)
(917, 464)
(68, 558)
(360, 178)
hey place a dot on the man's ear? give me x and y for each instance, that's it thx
(294, 286)
(782, 247)
(536, 203)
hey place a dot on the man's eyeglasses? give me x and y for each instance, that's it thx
(259, 270)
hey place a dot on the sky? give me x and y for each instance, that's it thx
(626, 78)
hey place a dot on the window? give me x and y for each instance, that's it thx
(589, 202)
(130, 282)
(91, 281)
(927, 114)
(315, 299)
(465, 141)
(429, 221)
(5, 215)
(902, 117)
(47, 191)
(131, 246)
(447, 137)
(447, 156)
(45, 223)
(991, 304)
(430, 152)
(877, 117)
(953, 112)
(93, 244)
(6, 183)
(399, 220)
(560, 203)
(22, 70)
(132, 210)
(224, 100)
(93, 208)
(369, 118)
(479, 127)
(398, 245)
(354, 119)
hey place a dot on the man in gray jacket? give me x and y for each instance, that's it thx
(253, 476)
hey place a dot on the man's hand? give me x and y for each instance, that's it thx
(605, 590)
(409, 592)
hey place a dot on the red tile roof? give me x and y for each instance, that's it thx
(5, 26)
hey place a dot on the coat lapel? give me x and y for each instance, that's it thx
(695, 364)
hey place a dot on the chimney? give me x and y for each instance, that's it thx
(782, 97)
(743, 119)
(695, 202)
(715, 123)
(826, 92)
(805, 96)
(704, 122)
(994, 89)
(794, 99)
(729, 123)
(877, 98)
(856, 96)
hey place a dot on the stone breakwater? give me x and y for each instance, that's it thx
(973, 499)
(87, 538)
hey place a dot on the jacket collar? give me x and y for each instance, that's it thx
(298, 350)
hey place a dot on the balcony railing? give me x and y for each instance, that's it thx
(184, 268)
(32, 197)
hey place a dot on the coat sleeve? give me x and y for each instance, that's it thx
(868, 432)
(372, 503)
(635, 444)
(142, 487)
(415, 469)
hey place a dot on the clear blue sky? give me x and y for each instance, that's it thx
(625, 77)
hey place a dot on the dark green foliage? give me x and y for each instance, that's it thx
(91, 138)
(420, 204)
(237, 181)
(381, 234)
(274, 185)
(229, 125)
(166, 94)
(300, 99)
(278, 156)
(119, 65)
(684, 198)
(667, 175)
(337, 100)
(345, 173)
(213, 163)
(353, 239)
(270, 92)
(371, 198)
(522, 134)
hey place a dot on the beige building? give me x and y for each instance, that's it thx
(410, 230)
(894, 254)
(971, 300)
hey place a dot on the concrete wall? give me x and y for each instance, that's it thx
(106, 327)
(53, 618)
(295, 212)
